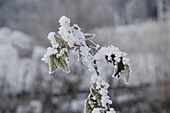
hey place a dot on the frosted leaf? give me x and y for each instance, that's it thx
(50, 51)
(127, 71)
(90, 43)
(52, 64)
(59, 40)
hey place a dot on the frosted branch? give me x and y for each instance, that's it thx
(89, 53)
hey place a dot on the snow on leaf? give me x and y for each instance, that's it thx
(57, 62)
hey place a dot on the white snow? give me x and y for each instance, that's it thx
(97, 110)
(51, 37)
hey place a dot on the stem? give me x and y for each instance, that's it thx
(95, 67)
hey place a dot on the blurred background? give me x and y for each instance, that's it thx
(139, 27)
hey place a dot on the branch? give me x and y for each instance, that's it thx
(72, 37)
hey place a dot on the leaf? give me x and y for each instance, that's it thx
(127, 71)
(64, 64)
(90, 43)
(52, 64)
(59, 40)
(89, 36)
(120, 66)
(87, 108)
(57, 62)
(61, 63)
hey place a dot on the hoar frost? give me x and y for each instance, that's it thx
(90, 54)
(113, 55)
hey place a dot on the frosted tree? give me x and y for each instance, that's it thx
(92, 55)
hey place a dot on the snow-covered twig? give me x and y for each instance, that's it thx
(89, 53)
